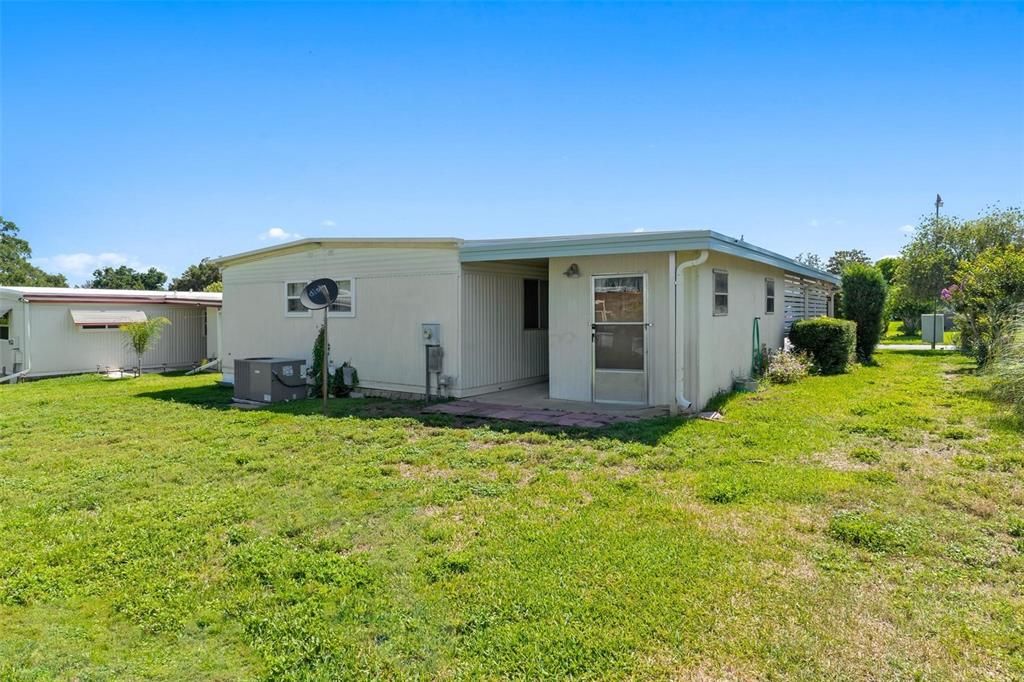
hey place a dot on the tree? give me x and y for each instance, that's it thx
(15, 268)
(811, 260)
(941, 244)
(864, 292)
(215, 287)
(197, 277)
(987, 292)
(906, 308)
(840, 259)
(142, 336)
(124, 277)
(888, 266)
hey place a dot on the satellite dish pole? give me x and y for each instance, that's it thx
(935, 308)
(321, 293)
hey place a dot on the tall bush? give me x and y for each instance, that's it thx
(1007, 365)
(830, 342)
(864, 291)
(987, 293)
(317, 369)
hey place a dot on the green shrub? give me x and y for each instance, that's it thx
(987, 295)
(1008, 368)
(786, 368)
(830, 342)
(864, 291)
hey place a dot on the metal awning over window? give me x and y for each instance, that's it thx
(91, 317)
(4, 309)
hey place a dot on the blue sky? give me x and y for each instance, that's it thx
(158, 133)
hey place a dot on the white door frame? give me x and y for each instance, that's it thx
(646, 324)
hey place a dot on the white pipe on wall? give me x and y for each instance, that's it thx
(677, 353)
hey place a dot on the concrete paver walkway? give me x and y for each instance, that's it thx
(532, 404)
(475, 408)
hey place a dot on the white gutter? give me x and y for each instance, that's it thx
(676, 295)
(13, 378)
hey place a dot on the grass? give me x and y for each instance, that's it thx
(895, 336)
(864, 526)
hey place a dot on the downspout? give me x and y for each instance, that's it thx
(13, 378)
(677, 354)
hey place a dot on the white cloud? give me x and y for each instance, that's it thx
(327, 223)
(640, 229)
(81, 265)
(279, 234)
(907, 229)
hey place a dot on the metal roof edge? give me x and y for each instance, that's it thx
(632, 242)
(310, 243)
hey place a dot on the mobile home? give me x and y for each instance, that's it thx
(651, 318)
(48, 331)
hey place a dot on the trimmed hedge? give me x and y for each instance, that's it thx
(864, 293)
(830, 342)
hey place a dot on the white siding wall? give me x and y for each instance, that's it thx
(497, 352)
(724, 342)
(213, 333)
(396, 289)
(58, 346)
(571, 307)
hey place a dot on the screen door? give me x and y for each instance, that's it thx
(619, 334)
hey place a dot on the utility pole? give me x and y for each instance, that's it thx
(935, 309)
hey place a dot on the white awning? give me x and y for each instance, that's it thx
(4, 309)
(107, 316)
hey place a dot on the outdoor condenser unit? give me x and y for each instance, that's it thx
(270, 380)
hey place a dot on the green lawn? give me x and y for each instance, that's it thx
(867, 526)
(894, 336)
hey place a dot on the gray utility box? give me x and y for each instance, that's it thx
(270, 380)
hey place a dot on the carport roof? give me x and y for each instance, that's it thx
(632, 242)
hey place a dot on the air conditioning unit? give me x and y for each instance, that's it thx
(270, 380)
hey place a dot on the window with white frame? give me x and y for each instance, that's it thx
(100, 327)
(721, 292)
(293, 300)
(5, 326)
(345, 304)
(769, 295)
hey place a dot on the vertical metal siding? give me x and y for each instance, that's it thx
(495, 348)
(60, 346)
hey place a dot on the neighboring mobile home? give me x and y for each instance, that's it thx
(48, 331)
(652, 318)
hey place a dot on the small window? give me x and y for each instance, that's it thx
(100, 327)
(535, 304)
(721, 292)
(769, 295)
(293, 304)
(344, 305)
(5, 326)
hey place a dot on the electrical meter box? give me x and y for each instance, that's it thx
(435, 358)
(431, 333)
(270, 380)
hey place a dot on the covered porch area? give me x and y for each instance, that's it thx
(532, 404)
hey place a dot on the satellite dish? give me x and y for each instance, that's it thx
(319, 293)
